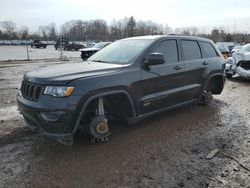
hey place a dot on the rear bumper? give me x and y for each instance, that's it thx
(56, 123)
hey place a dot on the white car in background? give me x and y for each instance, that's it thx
(237, 49)
(239, 63)
(225, 48)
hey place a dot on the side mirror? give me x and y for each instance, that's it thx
(154, 59)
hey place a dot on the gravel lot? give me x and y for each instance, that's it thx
(169, 150)
(20, 53)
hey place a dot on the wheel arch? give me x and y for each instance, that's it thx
(215, 83)
(104, 94)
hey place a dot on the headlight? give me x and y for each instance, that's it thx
(58, 91)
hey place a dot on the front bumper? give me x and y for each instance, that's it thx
(243, 72)
(57, 122)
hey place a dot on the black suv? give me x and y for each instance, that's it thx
(38, 44)
(130, 79)
(65, 44)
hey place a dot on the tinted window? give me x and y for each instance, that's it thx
(169, 49)
(190, 50)
(207, 50)
(122, 51)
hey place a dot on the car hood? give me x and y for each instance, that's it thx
(62, 74)
(239, 56)
(89, 49)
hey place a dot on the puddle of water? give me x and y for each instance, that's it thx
(9, 112)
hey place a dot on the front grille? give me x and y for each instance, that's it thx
(245, 64)
(31, 91)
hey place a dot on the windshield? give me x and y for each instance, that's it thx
(246, 48)
(100, 45)
(122, 51)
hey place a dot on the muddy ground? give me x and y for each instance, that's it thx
(168, 150)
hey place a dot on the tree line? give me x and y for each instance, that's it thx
(100, 30)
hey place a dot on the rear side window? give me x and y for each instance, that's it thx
(208, 50)
(169, 49)
(190, 50)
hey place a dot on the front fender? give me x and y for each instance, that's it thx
(86, 102)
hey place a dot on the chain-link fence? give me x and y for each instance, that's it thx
(59, 49)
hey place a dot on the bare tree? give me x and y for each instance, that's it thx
(167, 29)
(43, 31)
(52, 31)
(1, 34)
(215, 35)
(23, 32)
(9, 28)
(131, 26)
(115, 30)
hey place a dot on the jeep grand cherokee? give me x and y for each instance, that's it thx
(130, 79)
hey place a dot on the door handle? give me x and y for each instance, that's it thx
(205, 63)
(178, 67)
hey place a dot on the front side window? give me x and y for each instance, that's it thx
(190, 50)
(207, 50)
(169, 49)
(122, 51)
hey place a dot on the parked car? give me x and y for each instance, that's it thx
(87, 52)
(239, 63)
(38, 44)
(236, 48)
(60, 43)
(65, 44)
(225, 48)
(130, 79)
(6, 42)
(14, 42)
(73, 46)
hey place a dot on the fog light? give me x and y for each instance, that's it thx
(51, 116)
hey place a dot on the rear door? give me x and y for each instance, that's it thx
(211, 58)
(195, 67)
(161, 85)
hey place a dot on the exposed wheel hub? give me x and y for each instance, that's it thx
(99, 129)
(102, 127)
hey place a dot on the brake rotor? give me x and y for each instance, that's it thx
(99, 129)
(102, 127)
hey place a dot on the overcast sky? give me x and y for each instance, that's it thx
(206, 14)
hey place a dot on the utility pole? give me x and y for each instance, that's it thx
(61, 48)
(27, 49)
(234, 29)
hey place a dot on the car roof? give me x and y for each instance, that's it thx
(157, 37)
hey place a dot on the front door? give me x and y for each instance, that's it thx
(162, 85)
